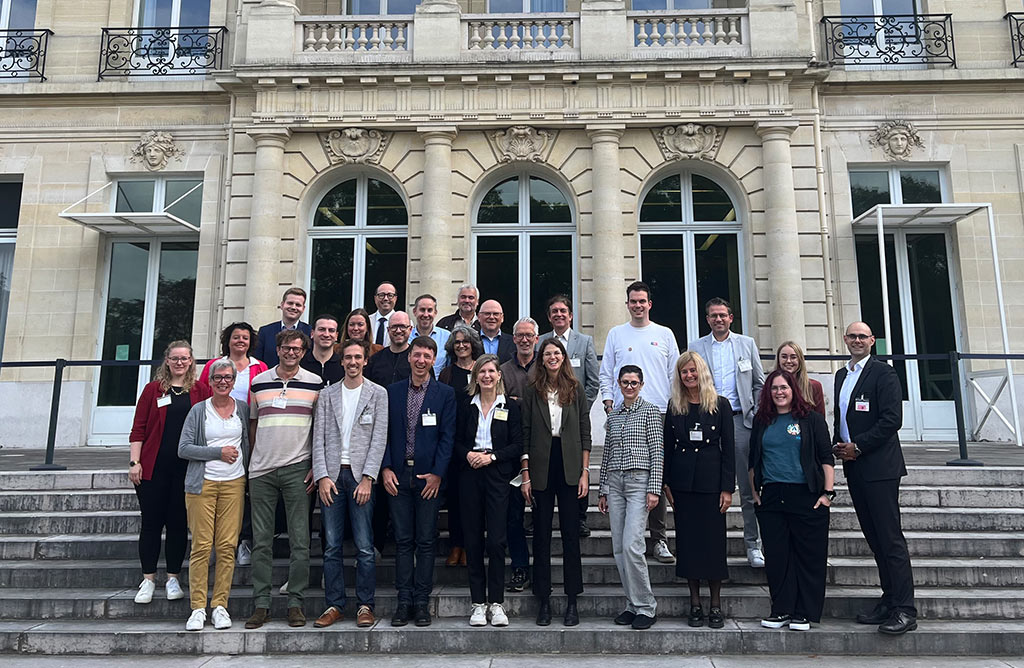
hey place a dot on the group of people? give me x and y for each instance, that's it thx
(383, 418)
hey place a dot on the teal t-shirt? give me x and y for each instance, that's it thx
(780, 451)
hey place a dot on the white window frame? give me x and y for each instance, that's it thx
(175, 15)
(160, 203)
(8, 237)
(5, 14)
(895, 185)
(878, 8)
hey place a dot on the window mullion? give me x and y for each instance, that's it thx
(524, 273)
(362, 202)
(524, 200)
(693, 309)
(895, 186)
(686, 198)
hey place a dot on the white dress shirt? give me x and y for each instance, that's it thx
(853, 372)
(723, 370)
(555, 412)
(375, 323)
(483, 423)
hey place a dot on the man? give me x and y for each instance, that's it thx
(495, 341)
(350, 430)
(653, 348)
(514, 374)
(322, 359)
(425, 310)
(736, 368)
(293, 305)
(281, 404)
(467, 300)
(385, 297)
(868, 417)
(582, 358)
(421, 432)
(391, 364)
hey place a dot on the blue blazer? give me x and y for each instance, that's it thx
(433, 444)
(265, 349)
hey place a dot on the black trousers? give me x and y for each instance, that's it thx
(878, 510)
(162, 502)
(483, 496)
(569, 527)
(794, 536)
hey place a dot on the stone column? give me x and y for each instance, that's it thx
(262, 259)
(609, 278)
(785, 288)
(435, 273)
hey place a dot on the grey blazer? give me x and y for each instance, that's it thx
(581, 347)
(369, 432)
(192, 444)
(749, 382)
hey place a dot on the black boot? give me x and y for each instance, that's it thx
(572, 615)
(544, 612)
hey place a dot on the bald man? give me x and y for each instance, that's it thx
(495, 341)
(391, 364)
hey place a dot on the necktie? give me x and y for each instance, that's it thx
(381, 326)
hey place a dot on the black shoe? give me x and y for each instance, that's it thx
(625, 618)
(518, 581)
(716, 619)
(775, 621)
(898, 624)
(528, 531)
(799, 623)
(421, 615)
(402, 614)
(879, 615)
(696, 616)
(642, 622)
(572, 615)
(544, 613)
(584, 529)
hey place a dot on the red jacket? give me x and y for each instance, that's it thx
(148, 425)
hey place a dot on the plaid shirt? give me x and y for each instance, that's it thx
(634, 439)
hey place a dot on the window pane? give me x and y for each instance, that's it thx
(642, 5)
(497, 273)
(547, 6)
(122, 331)
(933, 312)
(10, 204)
(194, 13)
(385, 261)
(135, 196)
(330, 284)
(190, 208)
(505, 7)
(155, 13)
(869, 275)
(338, 207)
(857, 7)
(661, 258)
(501, 204)
(868, 189)
(898, 7)
(547, 203)
(365, 7)
(175, 294)
(920, 186)
(664, 203)
(691, 4)
(718, 275)
(384, 205)
(551, 263)
(23, 15)
(710, 202)
(6, 267)
(402, 6)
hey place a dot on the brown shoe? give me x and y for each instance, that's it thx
(260, 616)
(329, 616)
(296, 617)
(454, 556)
(364, 617)
(462, 558)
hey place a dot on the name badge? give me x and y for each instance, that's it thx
(575, 362)
(744, 365)
(501, 414)
(365, 418)
(696, 435)
(163, 401)
(862, 405)
(280, 401)
(429, 420)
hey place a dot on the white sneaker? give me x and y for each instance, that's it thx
(145, 593)
(498, 616)
(244, 555)
(173, 588)
(755, 558)
(221, 618)
(284, 588)
(662, 553)
(196, 620)
(479, 616)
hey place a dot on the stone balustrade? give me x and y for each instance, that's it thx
(699, 29)
(349, 35)
(518, 32)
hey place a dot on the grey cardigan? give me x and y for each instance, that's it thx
(192, 445)
(369, 432)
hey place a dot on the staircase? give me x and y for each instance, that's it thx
(69, 572)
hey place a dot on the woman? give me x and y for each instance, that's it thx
(555, 469)
(792, 475)
(700, 476)
(790, 357)
(155, 469)
(236, 340)
(630, 488)
(488, 443)
(215, 441)
(357, 326)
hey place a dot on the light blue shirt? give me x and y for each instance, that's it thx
(490, 345)
(723, 370)
(846, 392)
(440, 337)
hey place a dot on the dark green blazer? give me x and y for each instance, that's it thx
(575, 435)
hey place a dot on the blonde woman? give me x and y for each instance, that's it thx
(790, 357)
(700, 474)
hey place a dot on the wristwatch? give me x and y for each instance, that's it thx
(830, 493)
(494, 457)
(132, 463)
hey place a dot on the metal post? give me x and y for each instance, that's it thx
(958, 403)
(1002, 325)
(51, 437)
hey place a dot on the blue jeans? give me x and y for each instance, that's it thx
(415, 523)
(333, 519)
(627, 513)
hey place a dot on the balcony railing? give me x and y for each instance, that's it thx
(23, 54)
(520, 33)
(922, 39)
(1016, 37)
(162, 51)
(327, 34)
(709, 30)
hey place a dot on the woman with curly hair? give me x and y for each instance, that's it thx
(236, 341)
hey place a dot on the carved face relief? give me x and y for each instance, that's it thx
(689, 141)
(520, 142)
(897, 139)
(355, 145)
(155, 149)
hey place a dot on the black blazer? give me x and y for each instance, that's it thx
(506, 347)
(708, 465)
(575, 435)
(506, 436)
(815, 451)
(265, 349)
(876, 430)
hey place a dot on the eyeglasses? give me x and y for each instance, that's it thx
(387, 295)
(179, 360)
(718, 316)
(398, 328)
(629, 383)
(858, 337)
(461, 342)
(523, 337)
(223, 379)
(292, 350)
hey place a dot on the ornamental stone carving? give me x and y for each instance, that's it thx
(897, 139)
(155, 149)
(521, 142)
(355, 145)
(690, 141)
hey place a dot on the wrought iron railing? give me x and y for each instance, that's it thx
(890, 39)
(23, 54)
(164, 51)
(1016, 37)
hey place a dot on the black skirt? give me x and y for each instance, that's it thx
(700, 536)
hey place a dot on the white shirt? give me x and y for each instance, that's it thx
(555, 412)
(853, 372)
(375, 323)
(349, 402)
(563, 338)
(483, 423)
(440, 337)
(652, 348)
(723, 370)
(220, 433)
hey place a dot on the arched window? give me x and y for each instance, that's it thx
(690, 251)
(358, 238)
(524, 246)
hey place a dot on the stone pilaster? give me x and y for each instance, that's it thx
(606, 230)
(262, 259)
(434, 230)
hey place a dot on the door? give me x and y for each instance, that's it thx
(879, 31)
(167, 37)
